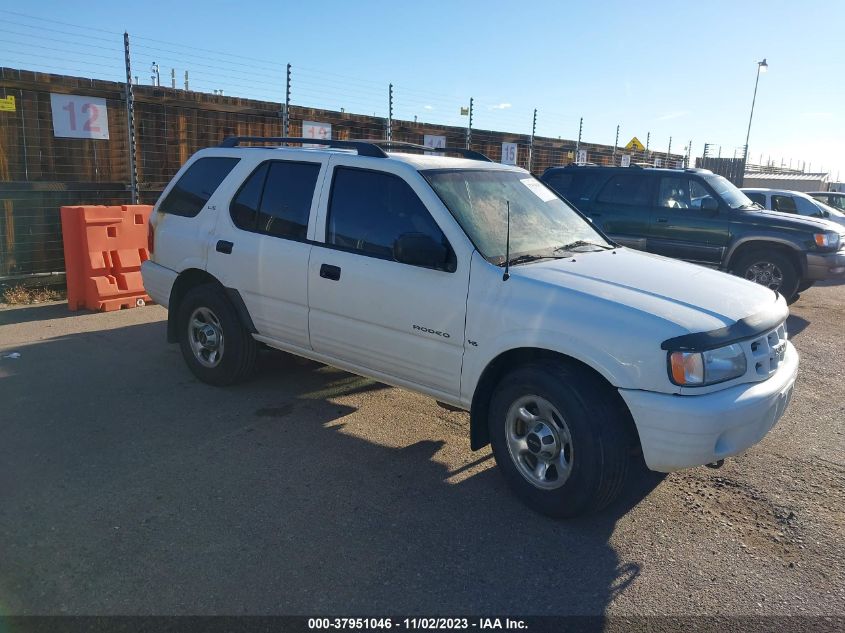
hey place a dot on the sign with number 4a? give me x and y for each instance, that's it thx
(75, 116)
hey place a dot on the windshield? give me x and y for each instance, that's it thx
(732, 196)
(540, 222)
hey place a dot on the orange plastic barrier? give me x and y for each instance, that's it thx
(104, 250)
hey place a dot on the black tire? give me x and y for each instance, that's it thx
(237, 359)
(601, 434)
(788, 286)
(805, 285)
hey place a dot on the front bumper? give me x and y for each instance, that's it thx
(683, 431)
(825, 266)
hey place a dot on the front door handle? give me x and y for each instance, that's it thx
(327, 271)
(662, 220)
(224, 247)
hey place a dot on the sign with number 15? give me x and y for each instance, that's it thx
(75, 116)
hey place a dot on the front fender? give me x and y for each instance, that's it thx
(617, 373)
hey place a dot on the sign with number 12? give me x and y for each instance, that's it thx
(75, 116)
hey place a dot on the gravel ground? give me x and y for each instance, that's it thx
(130, 488)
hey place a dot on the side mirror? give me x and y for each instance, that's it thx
(709, 204)
(419, 249)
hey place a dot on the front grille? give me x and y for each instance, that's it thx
(768, 351)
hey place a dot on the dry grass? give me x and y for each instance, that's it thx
(23, 295)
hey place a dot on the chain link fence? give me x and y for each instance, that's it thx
(109, 119)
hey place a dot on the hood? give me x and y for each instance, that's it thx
(791, 220)
(838, 220)
(693, 298)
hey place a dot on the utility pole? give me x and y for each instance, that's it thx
(130, 121)
(668, 151)
(647, 141)
(173, 78)
(531, 145)
(186, 81)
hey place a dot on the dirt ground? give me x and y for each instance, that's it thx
(130, 488)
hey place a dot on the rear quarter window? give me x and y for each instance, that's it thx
(196, 186)
(626, 189)
(575, 187)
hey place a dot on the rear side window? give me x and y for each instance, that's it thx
(574, 187)
(784, 204)
(369, 210)
(193, 190)
(276, 199)
(625, 189)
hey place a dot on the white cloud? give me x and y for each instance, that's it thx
(499, 106)
(428, 107)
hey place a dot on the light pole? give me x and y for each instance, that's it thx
(761, 68)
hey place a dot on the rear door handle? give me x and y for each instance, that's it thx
(327, 271)
(662, 220)
(224, 247)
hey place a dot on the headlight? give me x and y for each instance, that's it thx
(697, 369)
(827, 240)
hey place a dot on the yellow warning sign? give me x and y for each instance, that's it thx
(634, 144)
(7, 104)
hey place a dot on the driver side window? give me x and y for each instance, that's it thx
(805, 207)
(680, 192)
(370, 210)
(784, 204)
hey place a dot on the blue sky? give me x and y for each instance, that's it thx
(677, 69)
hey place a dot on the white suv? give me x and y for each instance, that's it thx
(794, 202)
(471, 282)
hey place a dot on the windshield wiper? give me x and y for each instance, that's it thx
(524, 259)
(579, 244)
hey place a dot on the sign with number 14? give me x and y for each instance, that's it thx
(75, 116)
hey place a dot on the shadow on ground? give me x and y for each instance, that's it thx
(129, 487)
(795, 325)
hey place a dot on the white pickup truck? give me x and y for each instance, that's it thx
(473, 283)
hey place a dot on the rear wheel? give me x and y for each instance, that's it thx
(772, 269)
(560, 438)
(216, 346)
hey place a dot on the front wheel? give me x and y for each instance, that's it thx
(216, 346)
(560, 438)
(771, 269)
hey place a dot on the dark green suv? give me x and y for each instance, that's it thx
(698, 216)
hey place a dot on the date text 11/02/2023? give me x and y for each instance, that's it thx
(416, 623)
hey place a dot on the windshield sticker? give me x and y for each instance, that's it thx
(538, 189)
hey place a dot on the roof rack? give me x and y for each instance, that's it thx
(364, 148)
(466, 153)
(370, 147)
